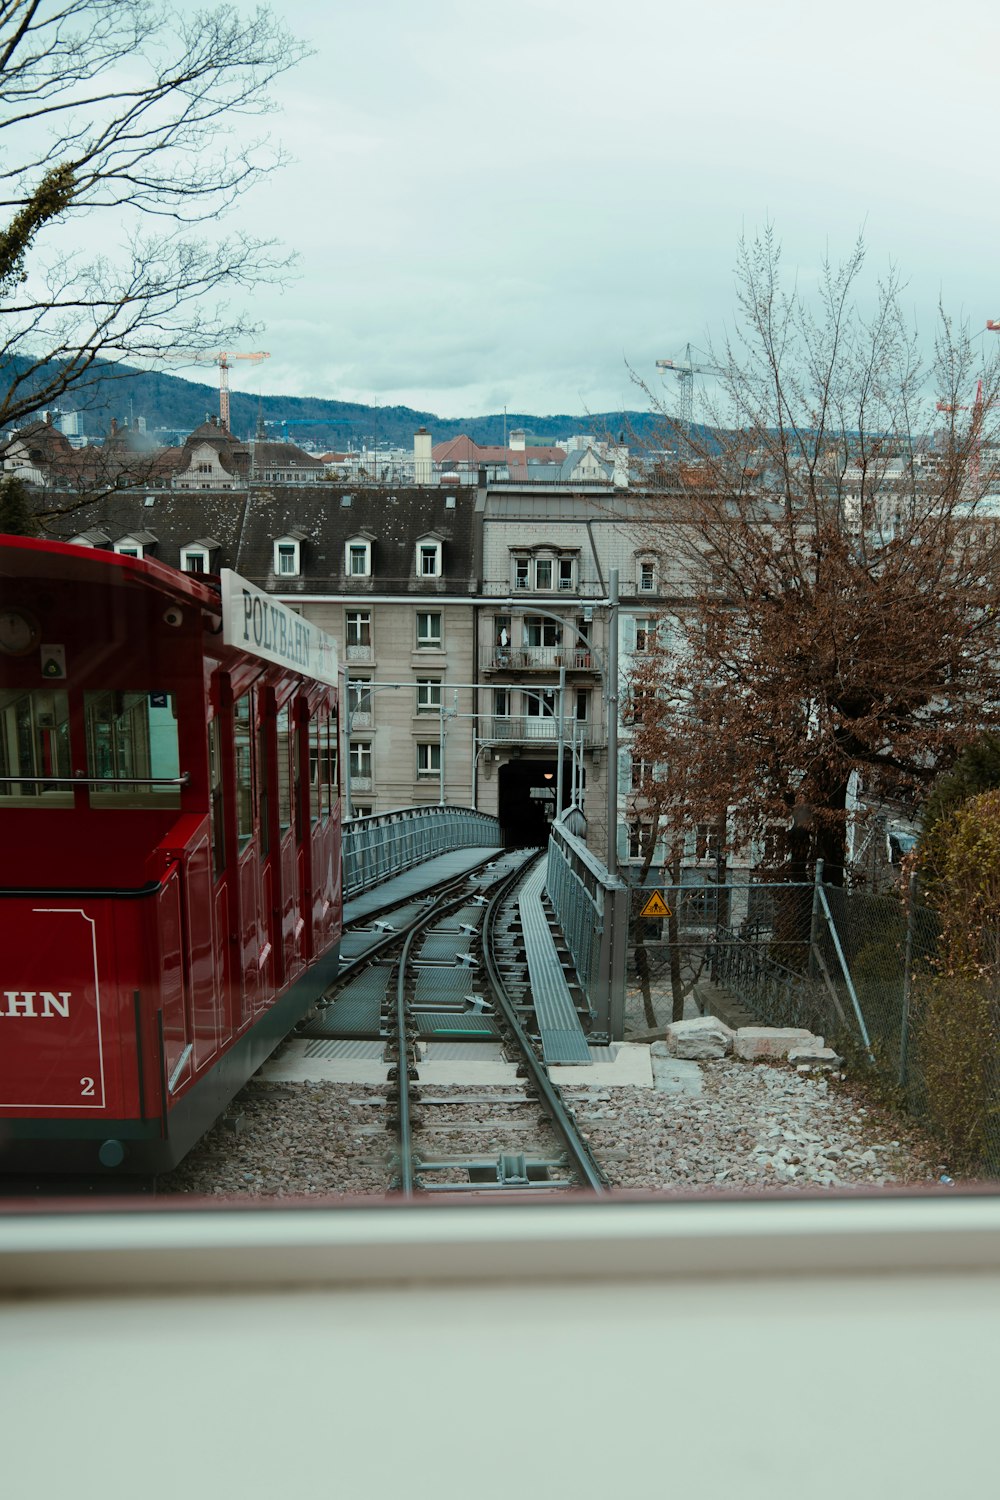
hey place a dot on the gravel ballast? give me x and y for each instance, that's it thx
(754, 1126)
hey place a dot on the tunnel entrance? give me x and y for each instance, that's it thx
(525, 811)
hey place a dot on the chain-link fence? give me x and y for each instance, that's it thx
(859, 969)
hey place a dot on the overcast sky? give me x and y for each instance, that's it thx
(501, 205)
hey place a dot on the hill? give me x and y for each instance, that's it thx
(173, 406)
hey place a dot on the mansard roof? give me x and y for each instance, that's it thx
(246, 525)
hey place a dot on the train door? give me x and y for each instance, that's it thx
(287, 918)
(247, 883)
(268, 870)
(323, 860)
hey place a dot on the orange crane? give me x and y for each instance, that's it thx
(978, 408)
(222, 360)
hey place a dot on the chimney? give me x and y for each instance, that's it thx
(423, 463)
(517, 442)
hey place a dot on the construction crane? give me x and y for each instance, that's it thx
(685, 369)
(222, 360)
(978, 407)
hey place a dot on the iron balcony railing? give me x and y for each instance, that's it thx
(537, 659)
(527, 729)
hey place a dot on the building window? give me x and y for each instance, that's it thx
(361, 811)
(638, 839)
(286, 558)
(643, 632)
(359, 559)
(642, 770)
(541, 632)
(501, 702)
(194, 560)
(581, 707)
(429, 560)
(647, 577)
(359, 699)
(124, 551)
(429, 759)
(521, 572)
(361, 761)
(359, 629)
(543, 573)
(708, 841)
(566, 579)
(541, 704)
(428, 695)
(204, 468)
(640, 704)
(429, 635)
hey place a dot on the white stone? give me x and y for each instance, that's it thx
(753, 1042)
(815, 1057)
(703, 1037)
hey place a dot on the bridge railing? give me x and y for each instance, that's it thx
(591, 906)
(384, 844)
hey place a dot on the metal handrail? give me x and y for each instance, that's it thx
(79, 780)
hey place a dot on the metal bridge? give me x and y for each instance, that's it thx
(574, 914)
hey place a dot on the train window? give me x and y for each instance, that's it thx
(215, 783)
(284, 727)
(132, 748)
(34, 741)
(297, 783)
(244, 771)
(263, 788)
(322, 766)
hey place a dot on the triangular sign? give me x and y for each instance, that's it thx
(655, 906)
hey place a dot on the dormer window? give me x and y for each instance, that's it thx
(196, 556)
(358, 558)
(288, 555)
(429, 559)
(647, 575)
(135, 545)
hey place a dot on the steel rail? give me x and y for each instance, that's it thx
(405, 1126)
(580, 1156)
(393, 939)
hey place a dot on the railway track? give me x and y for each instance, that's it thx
(445, 979)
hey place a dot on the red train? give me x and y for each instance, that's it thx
(170, 889)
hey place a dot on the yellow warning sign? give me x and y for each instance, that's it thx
(656, 906)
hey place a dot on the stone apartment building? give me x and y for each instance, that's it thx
(469, 620)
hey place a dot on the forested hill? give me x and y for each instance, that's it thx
(173, 405)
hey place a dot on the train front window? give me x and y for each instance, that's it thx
(132, 749)
(244, 772)
(284, 729)
(34, 743)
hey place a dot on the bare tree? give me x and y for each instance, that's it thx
(836, 624)
(124, 124)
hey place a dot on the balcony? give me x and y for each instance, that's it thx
(537, 659)
(529, 729)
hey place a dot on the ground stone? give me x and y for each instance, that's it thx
(815, 1057)
(753, 1042)
(703, 1037)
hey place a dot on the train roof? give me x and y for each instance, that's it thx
(31, 557)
